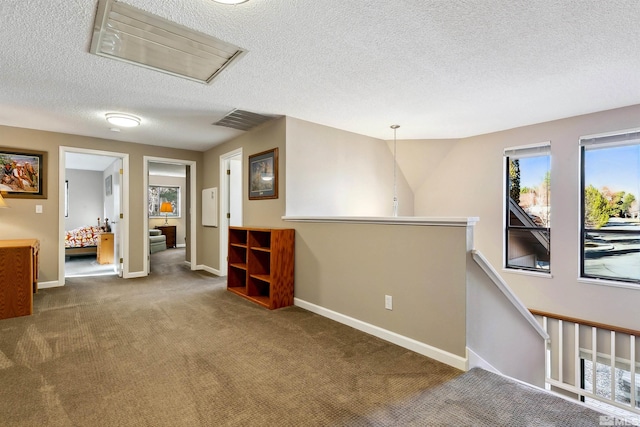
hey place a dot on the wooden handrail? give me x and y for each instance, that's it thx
(586, 322)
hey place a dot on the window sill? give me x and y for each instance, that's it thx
(612, 283)
(528, 273)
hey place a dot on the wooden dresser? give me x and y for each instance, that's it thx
(104, 252)
(170, 232)
(19, 261)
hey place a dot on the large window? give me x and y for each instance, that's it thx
(528, 208)
(610, 187)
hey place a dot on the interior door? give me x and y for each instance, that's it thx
(117, 209)
(230, 200)
(235, 191)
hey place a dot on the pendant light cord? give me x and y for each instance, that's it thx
(395, 172)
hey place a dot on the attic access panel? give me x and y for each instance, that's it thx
(128, 34)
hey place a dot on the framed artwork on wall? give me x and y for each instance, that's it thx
(23, 173)
(159, 194)
(263, 175)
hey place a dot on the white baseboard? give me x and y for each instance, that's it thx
(408, 343)
(208, 269)
(181, 245)
(51, 284)
(134, 274)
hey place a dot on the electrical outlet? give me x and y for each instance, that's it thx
(38, 208)
(388, 302)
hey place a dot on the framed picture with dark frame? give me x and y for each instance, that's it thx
(263, 175)
(157, 194)
(23, 173)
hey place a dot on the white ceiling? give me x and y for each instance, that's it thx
(439, 68)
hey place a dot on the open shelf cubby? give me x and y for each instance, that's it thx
(261, 265)
(260, 240)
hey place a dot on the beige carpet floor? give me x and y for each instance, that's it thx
(177, 349)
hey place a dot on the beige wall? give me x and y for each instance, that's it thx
(467, 180)
(21, 221)
(265, 213)
(338, 173)
(349, 268)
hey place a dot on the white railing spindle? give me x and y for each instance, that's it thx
(547, 358)
(594, 357)
(632, 358)
(560, 352)
(613, 366)
(576, 356)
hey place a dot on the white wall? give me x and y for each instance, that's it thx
(331, 172)
(467, 180)
(499, 333)
(86, 191)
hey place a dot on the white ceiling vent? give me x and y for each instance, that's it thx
(243, 120)
(131, 35)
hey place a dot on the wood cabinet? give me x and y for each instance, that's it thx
(19, 261)
(260, 265)
(170, 232)
(105, 249)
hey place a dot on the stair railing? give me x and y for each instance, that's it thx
(592, 360)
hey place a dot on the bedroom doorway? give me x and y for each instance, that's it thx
(92, 213)
(169, 217)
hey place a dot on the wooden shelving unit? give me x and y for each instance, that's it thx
(18, 276)
(261, 264)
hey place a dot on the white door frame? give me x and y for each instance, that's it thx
(191, 209)
(123, 223)
(224, 208)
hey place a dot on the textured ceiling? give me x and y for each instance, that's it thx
(439, 68)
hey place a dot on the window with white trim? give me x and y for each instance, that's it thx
(528, 207)
(609, 188)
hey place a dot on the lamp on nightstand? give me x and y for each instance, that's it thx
(166, 209)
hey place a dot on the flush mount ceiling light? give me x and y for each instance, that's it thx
(122, 120)
(230, 1)
(131, 35)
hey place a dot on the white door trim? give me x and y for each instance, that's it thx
(123, 224)
(191, 208)
(224, 208)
